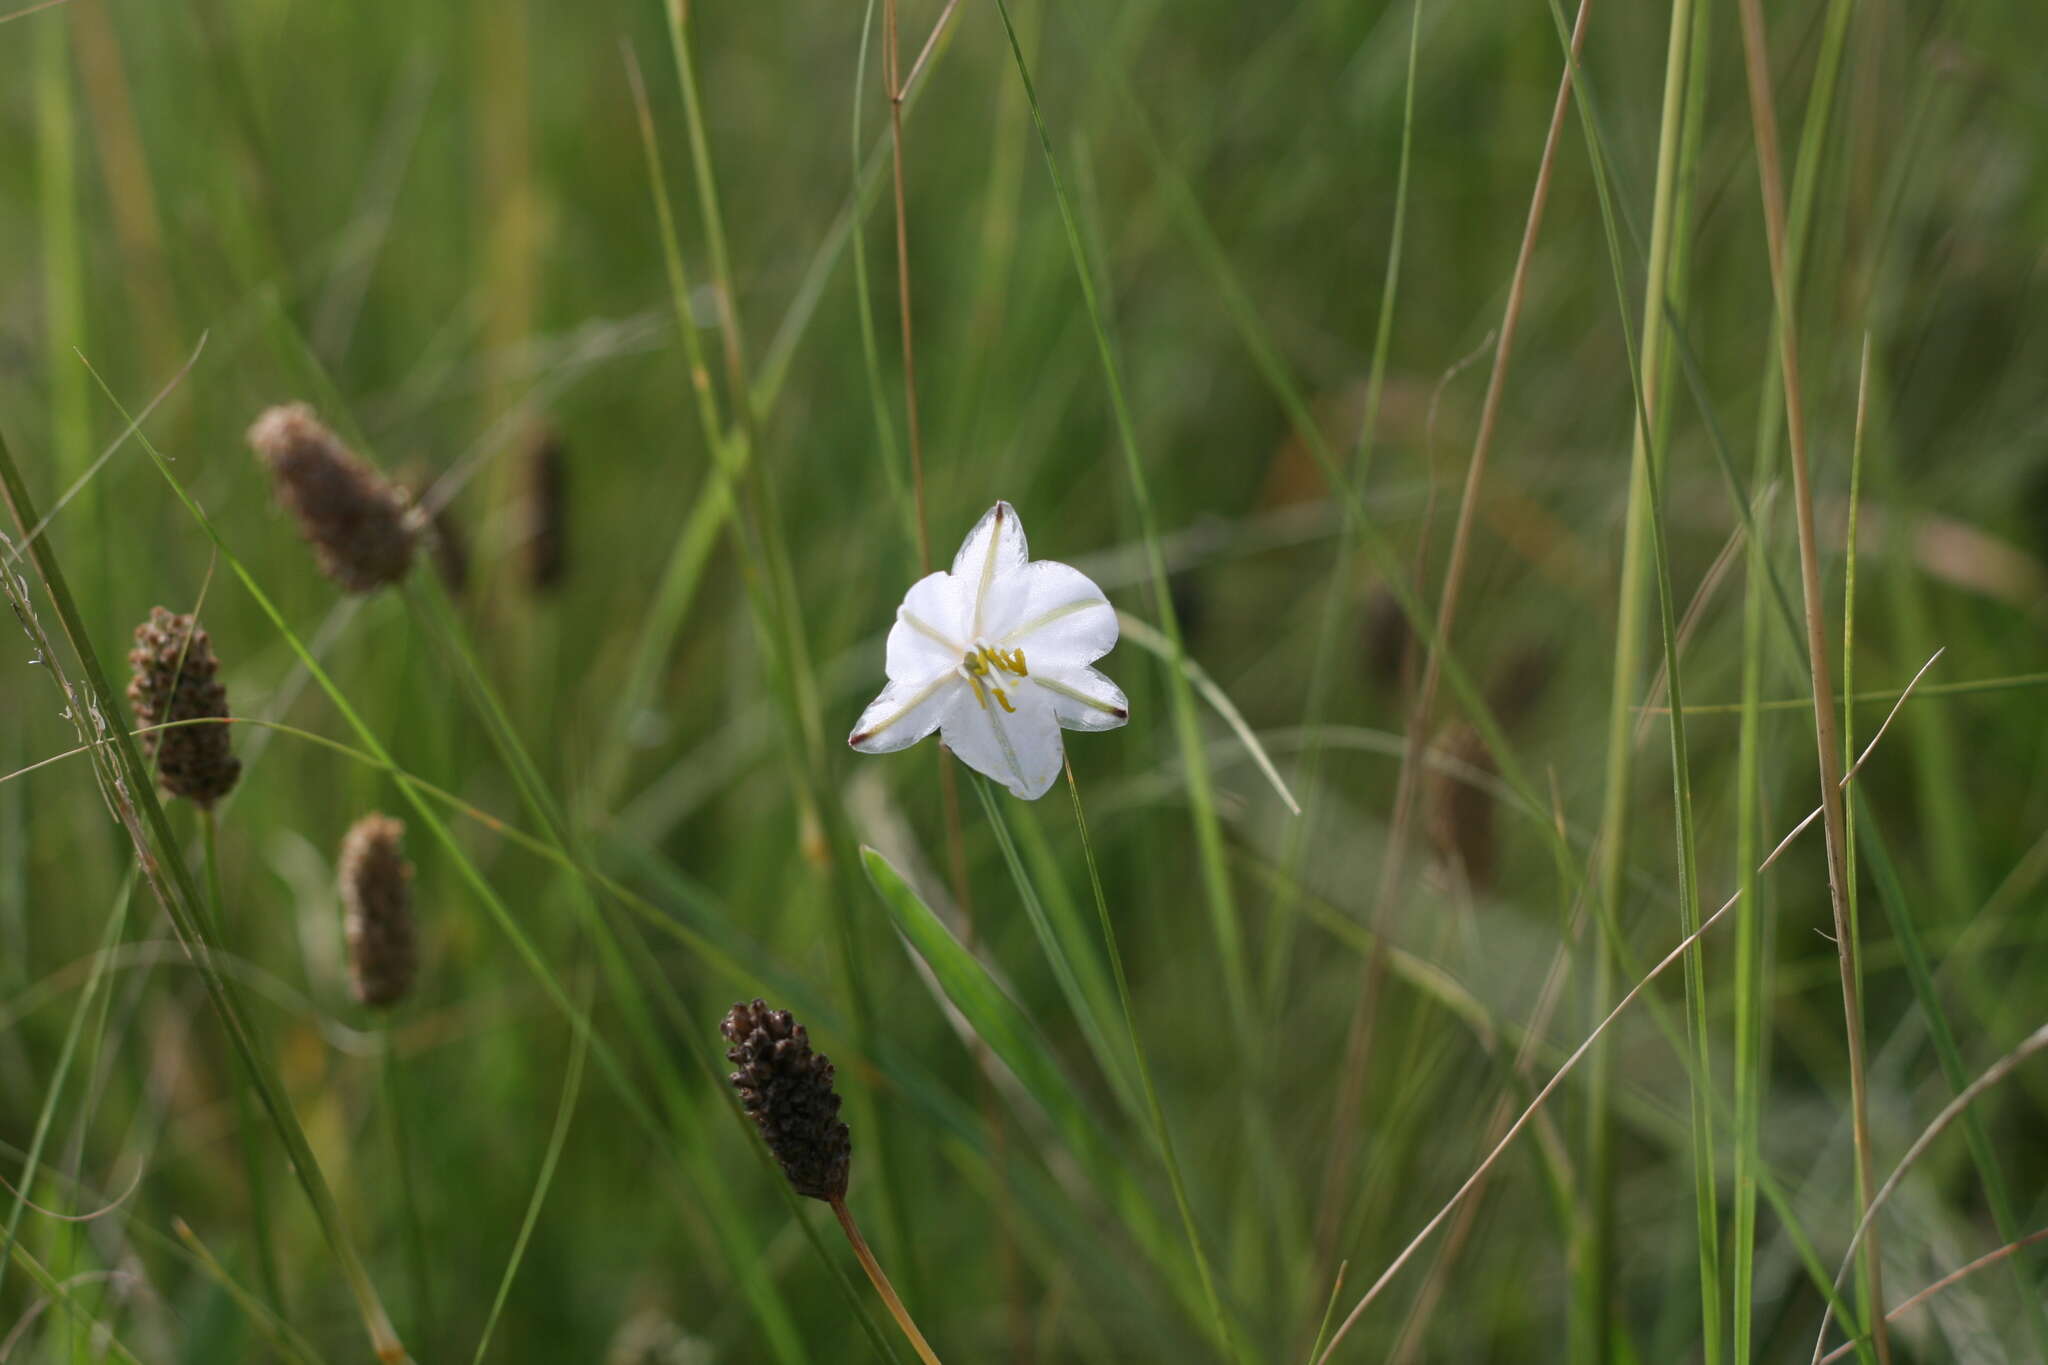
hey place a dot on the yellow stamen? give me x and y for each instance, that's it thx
(983, 662)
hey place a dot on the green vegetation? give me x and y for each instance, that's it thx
(1476, 414)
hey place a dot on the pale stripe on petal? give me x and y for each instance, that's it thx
(902, 715)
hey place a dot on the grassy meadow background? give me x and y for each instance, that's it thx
(449, 226)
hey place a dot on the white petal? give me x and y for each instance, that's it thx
(905, 713)
(1082, 699)
(1054, 613)
(1020, 749)
(993, 549)
(930, 629)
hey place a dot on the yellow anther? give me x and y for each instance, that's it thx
(985, 661)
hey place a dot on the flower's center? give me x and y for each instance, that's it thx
(985, 667)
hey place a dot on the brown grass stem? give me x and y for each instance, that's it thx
(1989, 1258)
(881, 1282)
(1764, 123)
(924, 53)
(31, 9)
(1996, 1072)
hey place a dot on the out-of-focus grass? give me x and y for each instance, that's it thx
(436, 223)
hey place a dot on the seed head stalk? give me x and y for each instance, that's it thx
(245, 1114)
(787, 1088)
(880, 1280)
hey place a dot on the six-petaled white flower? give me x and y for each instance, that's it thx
(996, 655)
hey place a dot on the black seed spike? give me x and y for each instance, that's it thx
(786, 1088)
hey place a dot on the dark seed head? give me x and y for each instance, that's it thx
(355, 519)
(1386, 638)
(174, 681)
(787, 1089)
(1460, 812)
(1518, 688)
(376, 898)
(545, 544)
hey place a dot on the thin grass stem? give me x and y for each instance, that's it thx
(881, 1283)
(1960, 1273)
(1162, 1131)
(1764, 123)
(1339, 596)
(891, 56)
(572, 1087)
(397, 1127)
(116, 926)
(931, 43)
(1676, 954)
(1358, 1042)
(245, 1120)
(2033, 1043)
(1668, 233)
(1218, 894)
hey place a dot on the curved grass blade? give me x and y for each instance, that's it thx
(999, 1022)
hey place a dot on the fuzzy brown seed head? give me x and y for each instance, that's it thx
(356, 520)
(376, 898)
(1386, 638)
(787, 1089)
(546, 541)
(1461, 814)
(173, 681)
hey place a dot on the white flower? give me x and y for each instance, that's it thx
(996, 655)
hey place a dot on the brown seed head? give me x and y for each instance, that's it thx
(376, 897)
(546, 541)
(1518, 688)
(355, 519)
(1386, 638)
(787, 1089)
(174, 681)
(1461, 813)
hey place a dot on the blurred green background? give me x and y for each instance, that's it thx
(438, 224)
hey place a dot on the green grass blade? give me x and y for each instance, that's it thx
(565, 1111)
(1891, 894)
(999, 1022)
(1065, 954)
